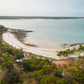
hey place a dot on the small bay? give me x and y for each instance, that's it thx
(63, 31)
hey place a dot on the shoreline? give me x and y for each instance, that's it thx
(12, 40)
(39, 17)
(27, 39)
(15, 38)
(42, 43)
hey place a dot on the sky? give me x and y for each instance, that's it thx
(42, 8)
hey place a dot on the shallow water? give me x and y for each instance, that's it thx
(59, 31)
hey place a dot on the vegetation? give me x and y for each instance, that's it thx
(68, 52)
(8, 55)
(38, 71)
(26, 17)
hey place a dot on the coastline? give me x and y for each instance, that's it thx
(25, 37)
(13, 40)
(42, 43)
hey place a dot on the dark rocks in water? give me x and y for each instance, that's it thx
(19, 33)
(18, 30)
(65, 44)
(68, 45)
(29, 31)
(75, 44)
(33, 45)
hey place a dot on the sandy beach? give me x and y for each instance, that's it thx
(42, 43)
(11, 40)
(42, 51)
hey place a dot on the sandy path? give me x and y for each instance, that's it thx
(11, 40)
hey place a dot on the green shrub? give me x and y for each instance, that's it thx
(47, 79)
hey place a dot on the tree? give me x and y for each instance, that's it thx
(75, 82)
(38, 75)
(7, 65)
(5, 57)
(19, 55)
(47, 79)
(7, 62)
(32, 67)
(26, 64)
(47, 69)
(61, 81)
(3, 82)
(7, 49)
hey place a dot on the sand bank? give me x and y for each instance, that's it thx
(42, 43)
(11, 40)
(46, 52)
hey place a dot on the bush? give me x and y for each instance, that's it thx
(66, 52)
(7, 65)
(26, 64)
(38, 75)
(61, 81)
(7, 49)
(47, 69)
(3, 82)
(47, 79)
(81, 48)
(19, 55)
(35, 64)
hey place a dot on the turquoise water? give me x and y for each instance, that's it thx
(62, 31)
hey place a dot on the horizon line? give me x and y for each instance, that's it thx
(36, 16)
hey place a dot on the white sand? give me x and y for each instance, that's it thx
(43, 43)
(11, 40)
(50, 53)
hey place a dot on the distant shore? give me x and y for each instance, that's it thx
(38, 17)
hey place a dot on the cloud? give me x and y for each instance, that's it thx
(42, 7)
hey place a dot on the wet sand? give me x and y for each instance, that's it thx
(13, 41)
(42, 51)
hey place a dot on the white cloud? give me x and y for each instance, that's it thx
(41, 7)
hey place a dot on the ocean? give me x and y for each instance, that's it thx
(64, 31)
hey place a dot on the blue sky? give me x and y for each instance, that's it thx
(42, 7)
